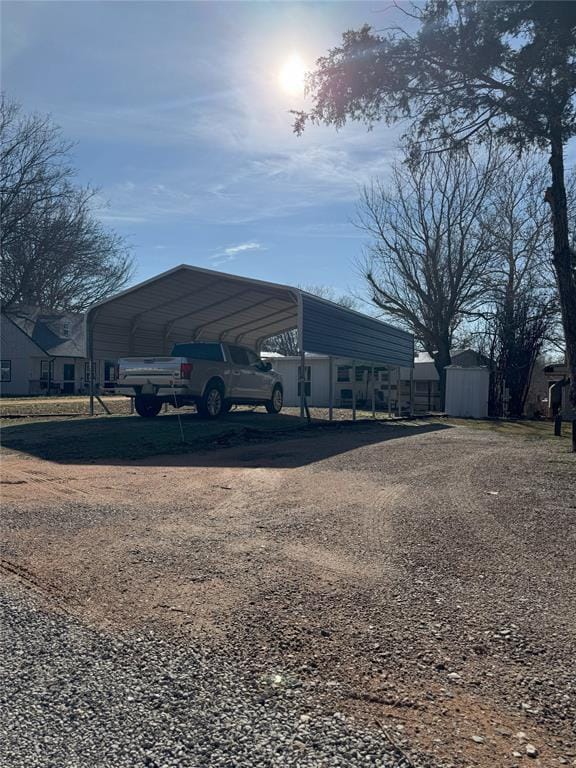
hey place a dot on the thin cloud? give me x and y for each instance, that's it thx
(234, 249)
(231, 252)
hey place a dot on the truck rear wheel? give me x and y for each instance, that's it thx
(147, 405)
(212, 404)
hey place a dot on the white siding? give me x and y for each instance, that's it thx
(319, 380)
(24, 356)
(287, 367)
(467, 392)
(25, 365)
(320, 375)
(59, 384)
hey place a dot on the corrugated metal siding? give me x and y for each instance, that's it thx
(332, 330)
(187, 303)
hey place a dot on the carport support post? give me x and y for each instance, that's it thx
(330, 389)
(398, 391)
(91, 363)
(90, 352)
(354, 390)
(302, 375)
(373, 393)
(389, 392)
(301, 382)
(411, 391)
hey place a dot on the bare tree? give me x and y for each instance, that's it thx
(55, 253)
(429, 258)
(34, 166)
(287, 343)
(471, 70)
(521, 303)
(64, 259)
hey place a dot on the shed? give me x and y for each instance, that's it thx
(467, 391)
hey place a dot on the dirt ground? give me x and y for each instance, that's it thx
(420, 577)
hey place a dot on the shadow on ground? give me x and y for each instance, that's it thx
(121, 439)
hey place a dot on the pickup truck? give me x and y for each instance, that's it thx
(212, 375)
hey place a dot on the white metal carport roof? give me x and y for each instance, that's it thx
(189, 303)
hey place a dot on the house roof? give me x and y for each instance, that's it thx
(424, 357)
(6, 318)
(59, 334)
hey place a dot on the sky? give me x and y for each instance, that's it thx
(179, 112)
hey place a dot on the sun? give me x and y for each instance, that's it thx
(292, 74)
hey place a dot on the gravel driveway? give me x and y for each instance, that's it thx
(419, 579)
(72, 697)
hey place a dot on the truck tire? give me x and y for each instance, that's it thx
(275, 404)
(212, 403)
(147, 405)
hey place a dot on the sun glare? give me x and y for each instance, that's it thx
(291, 75)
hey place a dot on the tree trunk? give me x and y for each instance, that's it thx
(563, 256)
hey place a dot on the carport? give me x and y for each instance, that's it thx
(189, 303)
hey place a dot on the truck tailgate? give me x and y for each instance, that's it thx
(148, 367)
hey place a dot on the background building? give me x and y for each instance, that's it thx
(45, 353)
(392, 385)
(22, 360)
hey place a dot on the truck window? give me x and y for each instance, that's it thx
(239, 355)
(198, 351)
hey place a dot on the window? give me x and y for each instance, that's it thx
(6, 370)
(109, 371)
(360, 374)
(198, 351)
(239, 355)
(87, 372)
(307, 382)
(46, 370)
(65, 329)
(343, 373)
(253, 358)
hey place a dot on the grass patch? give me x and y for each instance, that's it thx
(59, 405)
(513, 428)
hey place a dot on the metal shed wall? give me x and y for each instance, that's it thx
(329, 329)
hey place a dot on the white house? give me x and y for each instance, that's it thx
(43, 352)
(22, 360)
(392, 385)
(558, 379)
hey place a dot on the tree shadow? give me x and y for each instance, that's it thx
(282, 439)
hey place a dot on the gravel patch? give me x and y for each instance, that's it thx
(73, 697)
